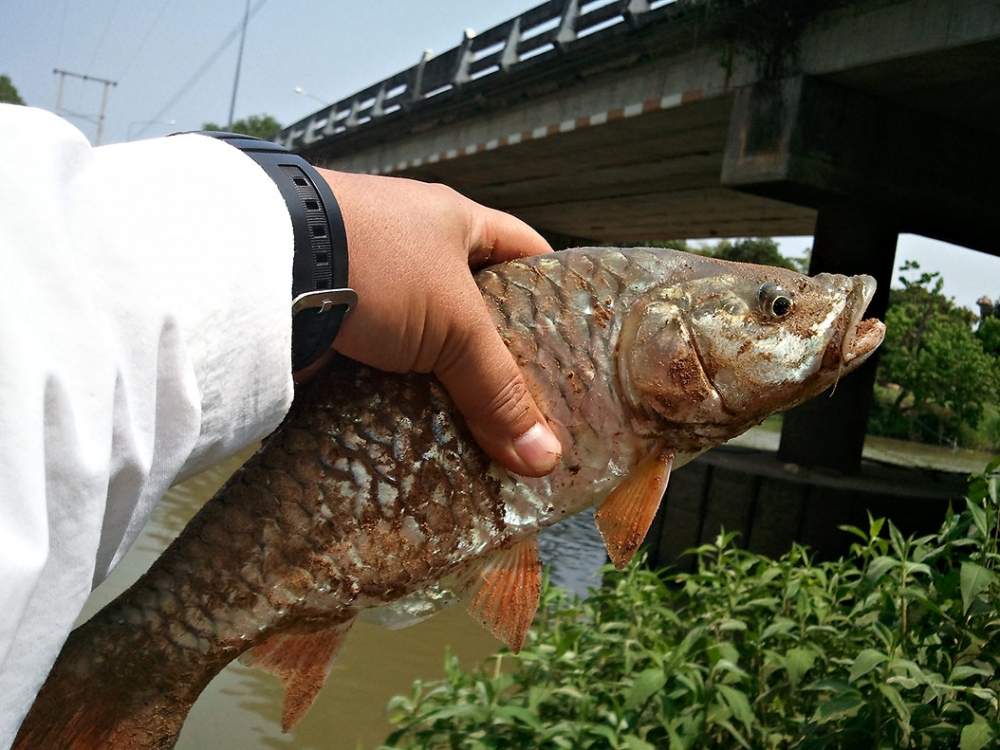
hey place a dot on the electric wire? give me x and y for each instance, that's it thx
(104, 35)
(149, 32)
(59, 37)
(212, 58)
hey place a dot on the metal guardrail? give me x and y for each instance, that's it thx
(549, 29)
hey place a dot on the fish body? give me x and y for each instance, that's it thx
(372, 499)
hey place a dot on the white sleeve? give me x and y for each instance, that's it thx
(145, 334)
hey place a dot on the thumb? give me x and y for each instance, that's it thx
(490, 391)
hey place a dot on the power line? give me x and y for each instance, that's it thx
(204, 67)
(145, 38)
(239, 63)
(104, 35)
(62, 26)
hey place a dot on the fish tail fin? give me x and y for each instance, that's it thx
(94, 699)
(85, 717)
(301, 662)
(506, 592)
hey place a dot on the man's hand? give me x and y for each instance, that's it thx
(413, 247)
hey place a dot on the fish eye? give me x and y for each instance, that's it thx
(774, 301)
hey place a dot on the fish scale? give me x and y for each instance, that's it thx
(373, 499)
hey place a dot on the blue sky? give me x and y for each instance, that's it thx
(174, 71)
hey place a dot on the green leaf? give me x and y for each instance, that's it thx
(520, 714)
(976, 735)
(738, 703)
(974, 580)
(780, 625)
(960, 673)
(898, 543)
(979, 518)
(631, 742)
(831, 684)
(798, 661)
(865, 662)
(572, 692)
(837, 708)
(896, 700)
(880, 566)
(604, 731)
(646, 685)
(875, 526)
(732, 625)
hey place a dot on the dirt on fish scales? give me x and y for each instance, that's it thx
(267, 556)
(373, 496)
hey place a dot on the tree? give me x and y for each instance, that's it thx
(988, 334)
(760, 250)
(8, 92)
(934, 362)
(259, 126)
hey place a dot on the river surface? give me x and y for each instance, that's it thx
(241, 708)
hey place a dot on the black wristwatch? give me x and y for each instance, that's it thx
(321, 296)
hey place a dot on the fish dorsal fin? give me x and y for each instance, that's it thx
(301, 662)
(505, 592)
(626, 514)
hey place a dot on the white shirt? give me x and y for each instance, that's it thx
(145, 335)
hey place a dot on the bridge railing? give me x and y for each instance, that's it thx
(546, 30)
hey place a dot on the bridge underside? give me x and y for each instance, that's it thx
(636, 138)
(648, 137)
(648, 177)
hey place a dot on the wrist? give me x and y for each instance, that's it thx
(321, 296)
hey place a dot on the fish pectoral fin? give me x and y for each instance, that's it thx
(626, 514)
(506, 590)
(301, 662)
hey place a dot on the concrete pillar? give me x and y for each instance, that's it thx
(829, 431)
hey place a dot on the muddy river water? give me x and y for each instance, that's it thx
(241, 709)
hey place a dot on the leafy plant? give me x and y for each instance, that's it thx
(895, 646)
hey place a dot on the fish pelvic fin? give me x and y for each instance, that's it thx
(627, 513)
(505, 592)
(301, 662)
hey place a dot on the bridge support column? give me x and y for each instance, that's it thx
(805, 141)
(829, 431)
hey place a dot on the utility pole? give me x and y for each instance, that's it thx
(239, 63)
(104, 98)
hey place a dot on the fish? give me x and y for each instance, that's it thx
(372, 500)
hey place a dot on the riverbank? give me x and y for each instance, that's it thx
(884, 450)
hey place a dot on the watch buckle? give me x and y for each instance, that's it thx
(324, 299)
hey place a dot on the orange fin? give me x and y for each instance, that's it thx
(301, 662)
(506, 591)
(626, 514)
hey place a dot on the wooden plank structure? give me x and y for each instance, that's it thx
(772, 504)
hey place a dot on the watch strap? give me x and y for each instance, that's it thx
(321, 296)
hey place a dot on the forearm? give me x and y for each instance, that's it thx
(145, 331)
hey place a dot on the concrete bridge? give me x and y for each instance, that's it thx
(632, 120)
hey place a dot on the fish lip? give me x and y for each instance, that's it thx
(862, 336)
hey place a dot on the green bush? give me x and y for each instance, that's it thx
(893, 647)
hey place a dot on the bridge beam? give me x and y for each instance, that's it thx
(808, 142)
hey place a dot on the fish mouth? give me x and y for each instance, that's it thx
(862, 336)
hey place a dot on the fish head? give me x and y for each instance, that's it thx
(718, 352)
